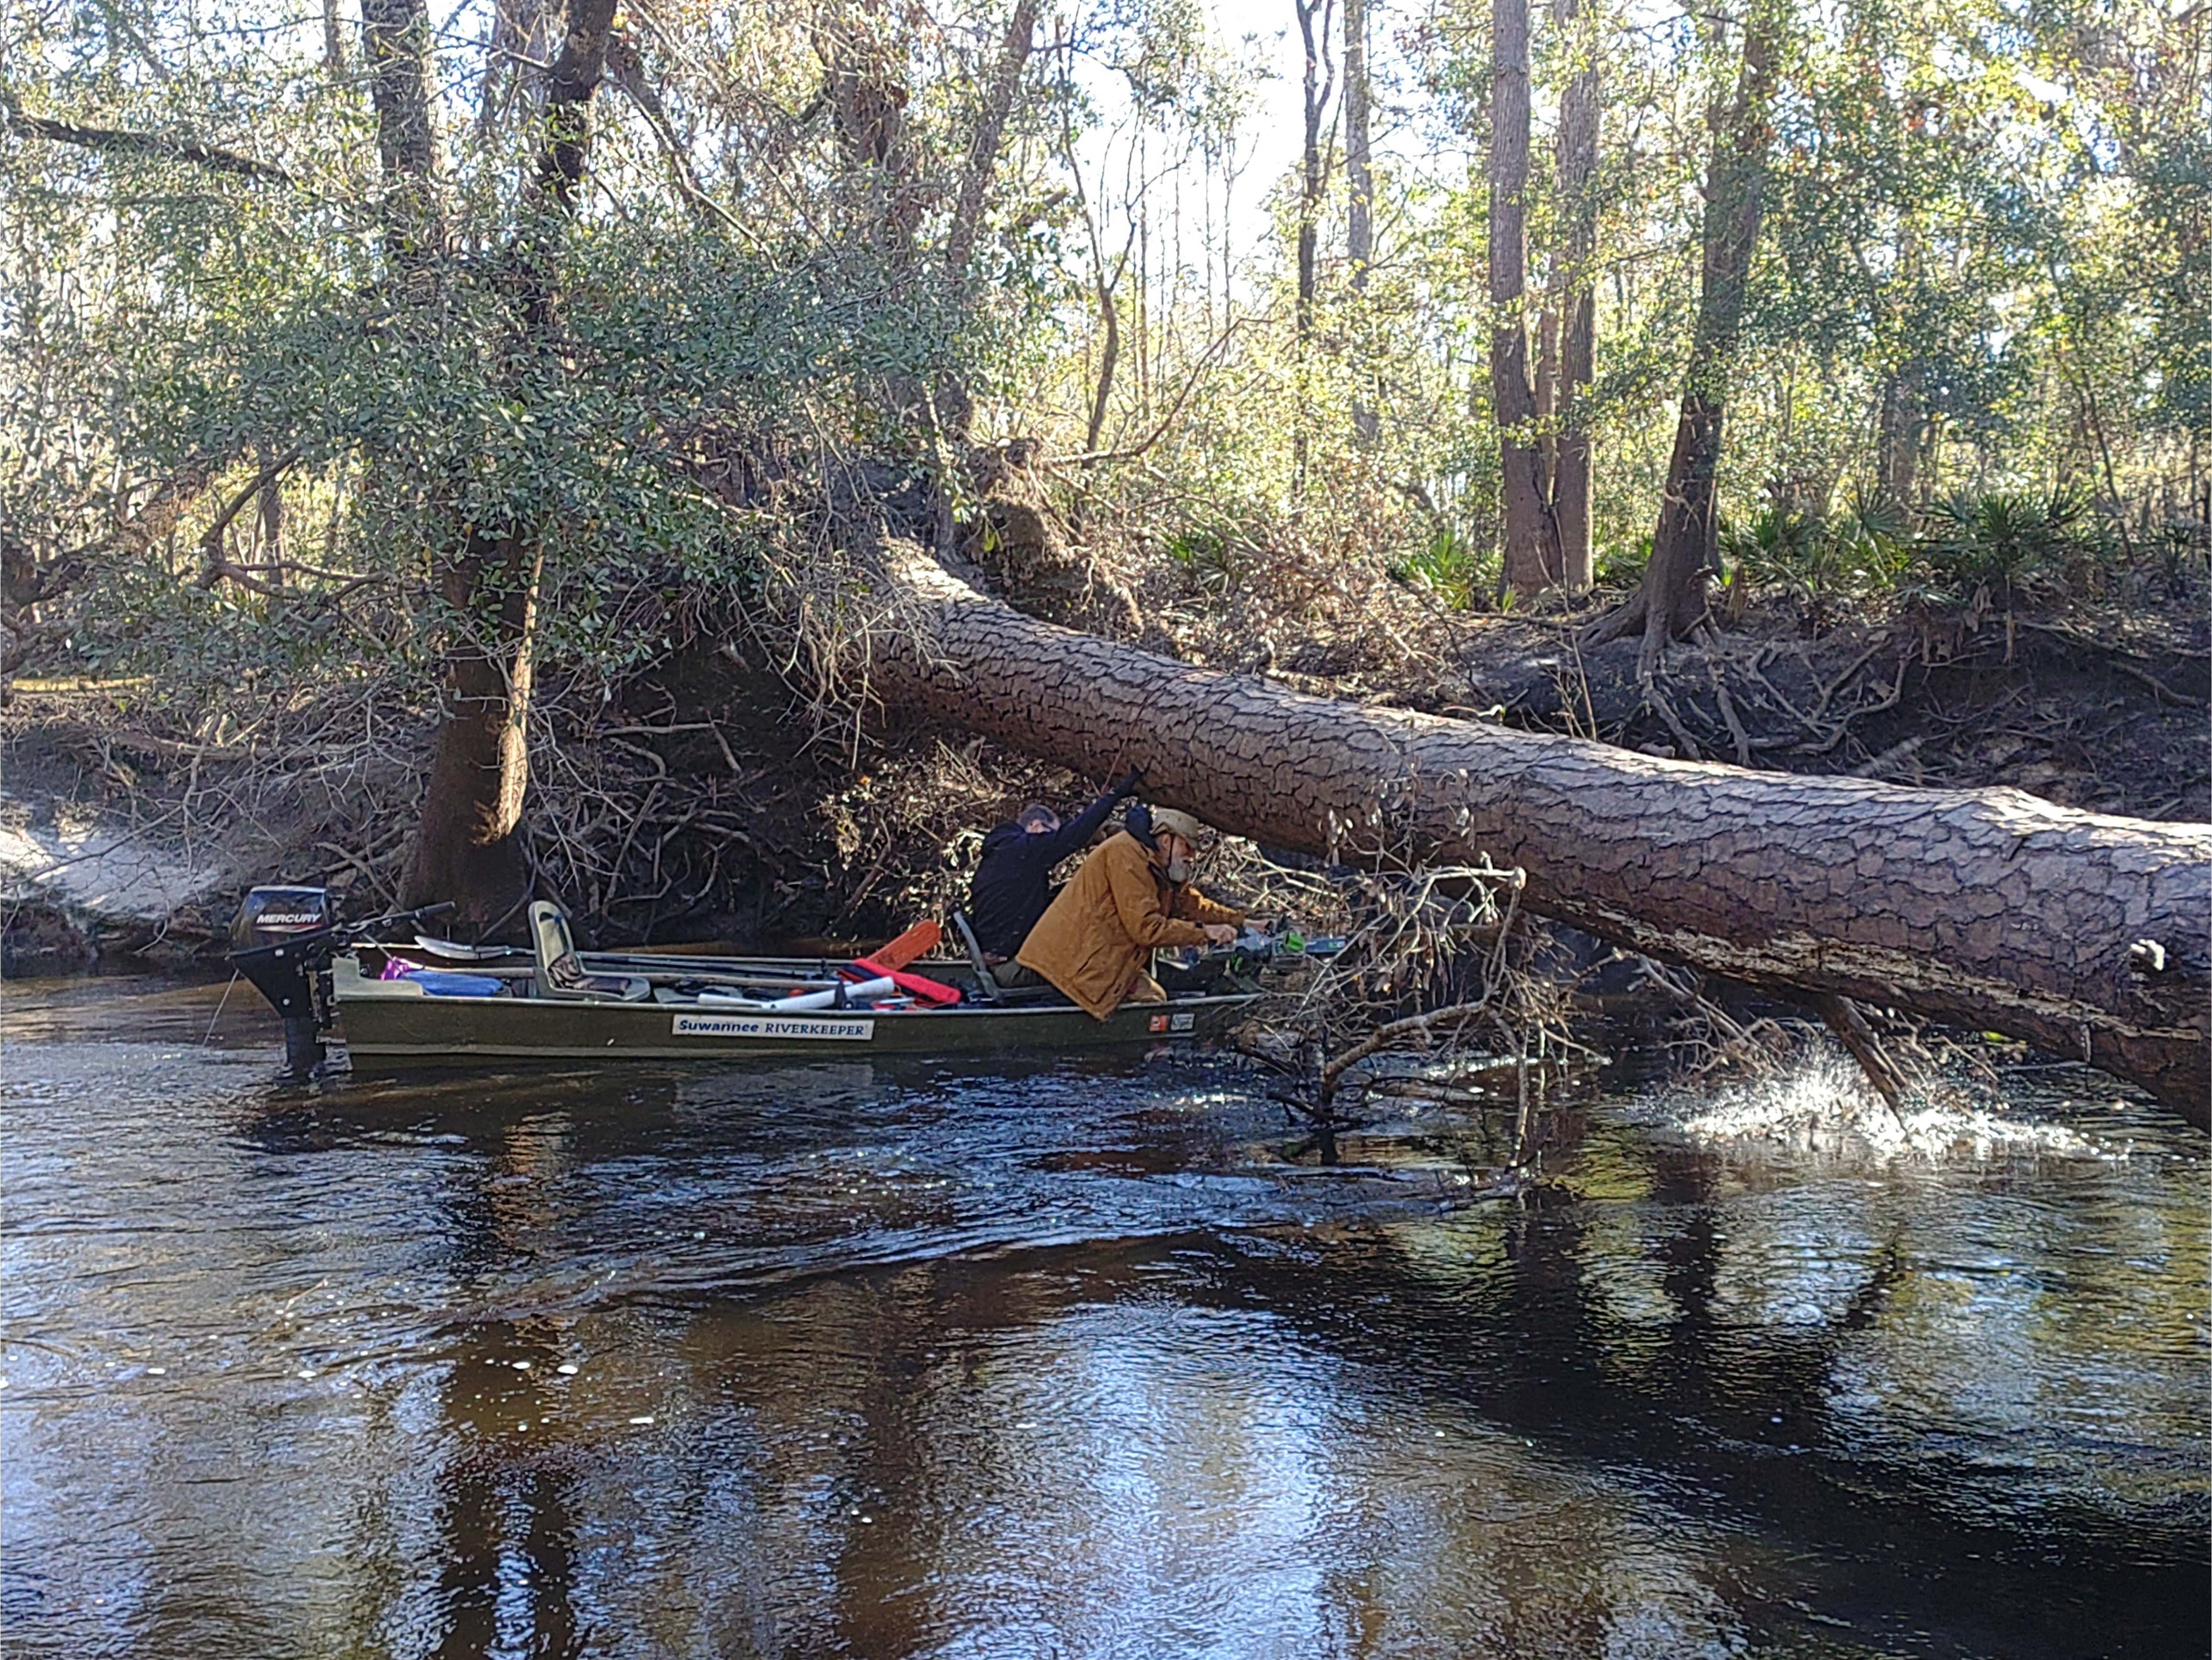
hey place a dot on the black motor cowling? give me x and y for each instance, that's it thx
(281, 940)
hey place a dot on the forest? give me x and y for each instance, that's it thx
(1748, 471)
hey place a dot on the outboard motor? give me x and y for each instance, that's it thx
(281, 940)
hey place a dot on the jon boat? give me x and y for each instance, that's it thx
(419, 1001)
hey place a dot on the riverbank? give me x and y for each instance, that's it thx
(703, 803)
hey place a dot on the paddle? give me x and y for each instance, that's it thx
(887, 960)
(916, 941)
(454, 950)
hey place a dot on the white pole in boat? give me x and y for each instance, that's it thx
(823, 999)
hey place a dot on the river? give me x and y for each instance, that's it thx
(1072, 1358)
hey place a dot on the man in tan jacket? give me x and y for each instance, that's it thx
(1095, 939)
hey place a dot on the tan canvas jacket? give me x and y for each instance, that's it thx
(1094, 939)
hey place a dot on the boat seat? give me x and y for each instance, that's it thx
(985, 981)
(561, 973)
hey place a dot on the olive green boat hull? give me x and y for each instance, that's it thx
(392, 1024)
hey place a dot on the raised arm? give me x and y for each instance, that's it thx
(1077, 832)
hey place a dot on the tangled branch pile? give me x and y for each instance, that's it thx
(1439, 978)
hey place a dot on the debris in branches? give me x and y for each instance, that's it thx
(1432, 989)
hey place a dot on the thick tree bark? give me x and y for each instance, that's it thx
(1672, 600)
(1580, 111)
(466, 850)
(1989, 909)
(1532, 535)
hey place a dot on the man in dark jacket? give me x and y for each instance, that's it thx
(1011, 887)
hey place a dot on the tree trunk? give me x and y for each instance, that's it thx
(396, 41)
(1313, 183)
(1359, 182)
(955, 405)
(1580, 111)
(467, 849)
(1897, 460)
(1532, 536)
(984, 143)
(1672, 600)
(1547, 389)
(1989, 909)
(1903, 415)
(1103, 281)
(1313, 174)
(334, 58)
(1574, 490)
(1110, 354)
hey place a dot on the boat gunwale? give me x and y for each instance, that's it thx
(632, 1030)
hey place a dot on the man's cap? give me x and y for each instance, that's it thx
(1176, 822)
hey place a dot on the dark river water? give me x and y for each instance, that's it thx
(1072, 1358)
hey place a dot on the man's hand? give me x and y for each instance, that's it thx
(1129, 782)
(1220, 934)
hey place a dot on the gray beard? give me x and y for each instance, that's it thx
(1178, 871)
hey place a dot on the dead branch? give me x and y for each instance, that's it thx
(1842, 1018)
(211, 541)
(1421, 1026)
(115, 140)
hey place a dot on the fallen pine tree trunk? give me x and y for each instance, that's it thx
(2082, 934)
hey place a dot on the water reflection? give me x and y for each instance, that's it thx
(1059, 1360)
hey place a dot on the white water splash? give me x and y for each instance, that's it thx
(1825, 1107)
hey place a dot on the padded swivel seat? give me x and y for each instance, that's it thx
(560, 972)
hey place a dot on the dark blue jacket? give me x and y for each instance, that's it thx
(1012, 888)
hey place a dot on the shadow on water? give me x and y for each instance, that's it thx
(1057, 1358)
